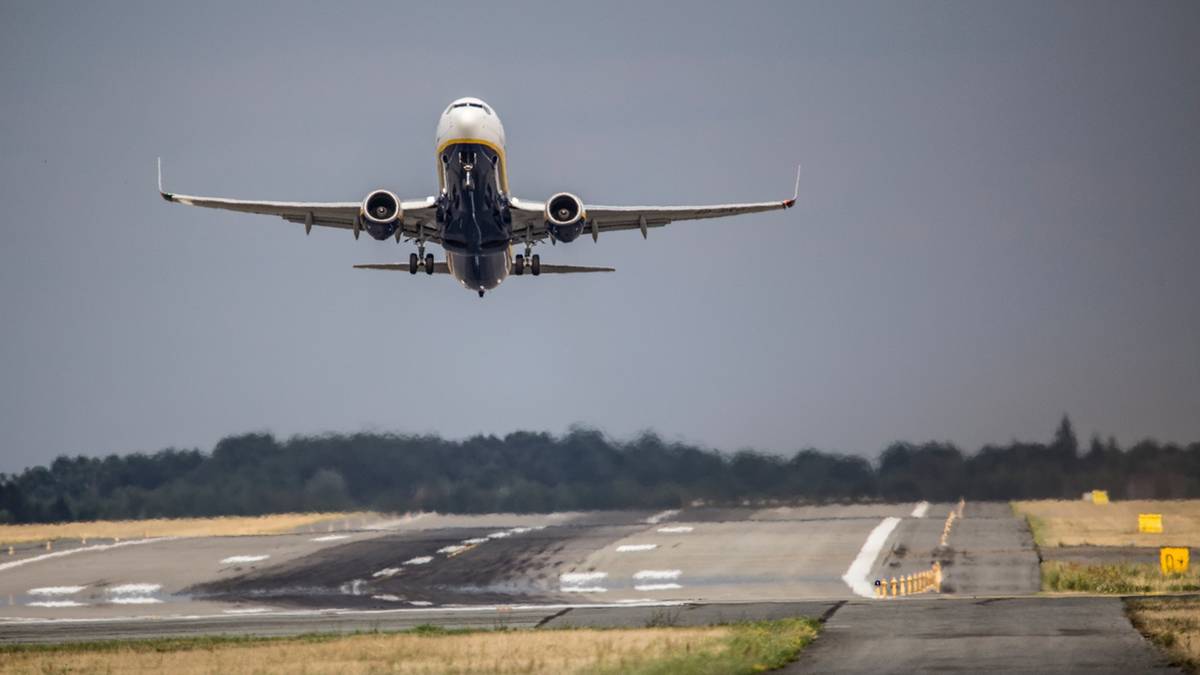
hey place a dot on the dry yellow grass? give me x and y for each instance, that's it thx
(570, 651)
(1172, 623)
(1077, 523)
(180, 527)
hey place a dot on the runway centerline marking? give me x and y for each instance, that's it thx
(244, 559)
(634, 548)
(856, 576)
(331, 537)
(920, 510)
(679, 529)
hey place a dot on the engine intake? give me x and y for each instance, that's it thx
(565, 216)
(381, 214)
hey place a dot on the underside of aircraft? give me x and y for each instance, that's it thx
(474, 217)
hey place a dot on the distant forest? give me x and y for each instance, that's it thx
(528, 472)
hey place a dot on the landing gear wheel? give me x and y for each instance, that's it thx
(535, 264)
(519, 265)
(428, 263)
(413, 263)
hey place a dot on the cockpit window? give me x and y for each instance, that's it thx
(472, 105)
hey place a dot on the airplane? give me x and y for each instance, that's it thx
(474, 217)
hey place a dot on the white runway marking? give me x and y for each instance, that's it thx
(581, 577)
(386, 597)
(453, 548)
(56, 603)
(920, 510)
(29, 621)
(476, 540)
(247, 610)
(56, 590)
(679, 529)
(656, 587)
(134, 589)
(419, 560)
(331, 537)
(657, 574)
(856, 576)
(243, 559)
(134, 600)
(499, 535)
(659, 517)
(631, 548)
(386, 572)
(420, 603)
(573, 582)
(82, 549)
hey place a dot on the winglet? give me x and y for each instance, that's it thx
(787, 204)
(165, 195)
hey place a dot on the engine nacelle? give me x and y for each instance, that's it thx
(565, 216)
(381, 214)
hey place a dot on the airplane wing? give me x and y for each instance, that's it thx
(442, 268)
(529, 215)
(418, 213)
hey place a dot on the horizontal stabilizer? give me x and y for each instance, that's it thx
(569, 269)
(438, 268)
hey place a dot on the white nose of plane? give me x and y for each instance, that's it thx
(470, 118)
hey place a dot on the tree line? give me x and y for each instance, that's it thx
(253, 474)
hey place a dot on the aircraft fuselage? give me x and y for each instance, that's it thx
(474, 199)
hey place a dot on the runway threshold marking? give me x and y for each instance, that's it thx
(856, 576)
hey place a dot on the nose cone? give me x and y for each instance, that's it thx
(469, 122)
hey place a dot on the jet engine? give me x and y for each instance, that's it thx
(381, 214)
(565, 216)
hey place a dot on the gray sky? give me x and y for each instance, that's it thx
(998, 222)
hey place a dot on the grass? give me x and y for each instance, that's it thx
(748, 648)
(736, 648)
(1171, 623)
(179, 527)
(1118, 578)
(1080, 523)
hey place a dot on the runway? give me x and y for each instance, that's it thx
(624, 568)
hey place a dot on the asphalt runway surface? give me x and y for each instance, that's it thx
(623, 568)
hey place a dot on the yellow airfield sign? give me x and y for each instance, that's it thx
(1150, 523)
(1173, 560)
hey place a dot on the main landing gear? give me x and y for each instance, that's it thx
(416, 261)
(534, 264)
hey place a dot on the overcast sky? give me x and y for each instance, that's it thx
(999, 222)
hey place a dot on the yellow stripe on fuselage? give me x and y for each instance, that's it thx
(499, 150)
